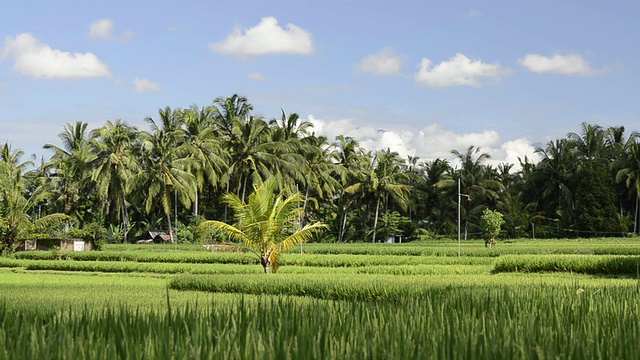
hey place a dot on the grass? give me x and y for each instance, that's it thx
(408, 301)
(583, 264)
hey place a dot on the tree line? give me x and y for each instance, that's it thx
(127, 181)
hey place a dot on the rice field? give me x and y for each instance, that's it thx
(526, 299)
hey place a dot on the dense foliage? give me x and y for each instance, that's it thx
(175, 174)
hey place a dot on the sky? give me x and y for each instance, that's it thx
(419, 77)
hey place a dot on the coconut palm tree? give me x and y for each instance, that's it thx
(69, 171)
(319, 171)
(16, 202)
(113, 166)
(165, 178)
(351, 160)
(290, 127)
(386, 180)
(475, 181)
(205, 147)
(255, 157)
(557, 174)
(265, 223)
(166, 160)
(591, 142)
(630, 174)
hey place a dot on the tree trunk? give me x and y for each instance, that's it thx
(266, 265)
(125, 220)
(226, 206)
(244, 186)
(375, 222)
(170, 230)
(466, 220)
(304, 209)
(343, 224)
(635, 219)
(195, 205)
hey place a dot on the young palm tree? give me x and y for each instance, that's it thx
(265, 223)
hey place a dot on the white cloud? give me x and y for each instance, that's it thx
(266, 38)
(256, 76)
(459, 71)
(429, 142)
(473, 13)
(516, 150)
(385, 62)
(146, 86)
(39, 61)
(103, 30)
(572, 64)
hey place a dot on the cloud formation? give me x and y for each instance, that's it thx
(39, 61)
(146, 86)
(460, 70)
(103, 30)
(385, 62)
(266, 38)
(429, 142)
(256, 76)
(572, 64)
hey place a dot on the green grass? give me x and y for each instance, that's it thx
(458, 322)
(408, 301)
(583, 264)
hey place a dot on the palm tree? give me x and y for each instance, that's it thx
(166, 162)
(475, 180)
(319, 170)
(205, 147)
(557, 174)
(230, 113)
(16, 202)
(436, 204)
(113, 166)
(351, 160)
(290, 127)
(631, 175)
(591, 142)
(254, 156)
(69, 180)
(166, 177)
(382, 182)
(265, 223)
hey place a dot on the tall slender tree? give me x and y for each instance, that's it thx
(205, 148)
(113, 166)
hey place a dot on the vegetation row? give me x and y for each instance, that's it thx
(341, 260)
(171, 268)
(582, 264)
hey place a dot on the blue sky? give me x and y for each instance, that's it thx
(420, 77)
